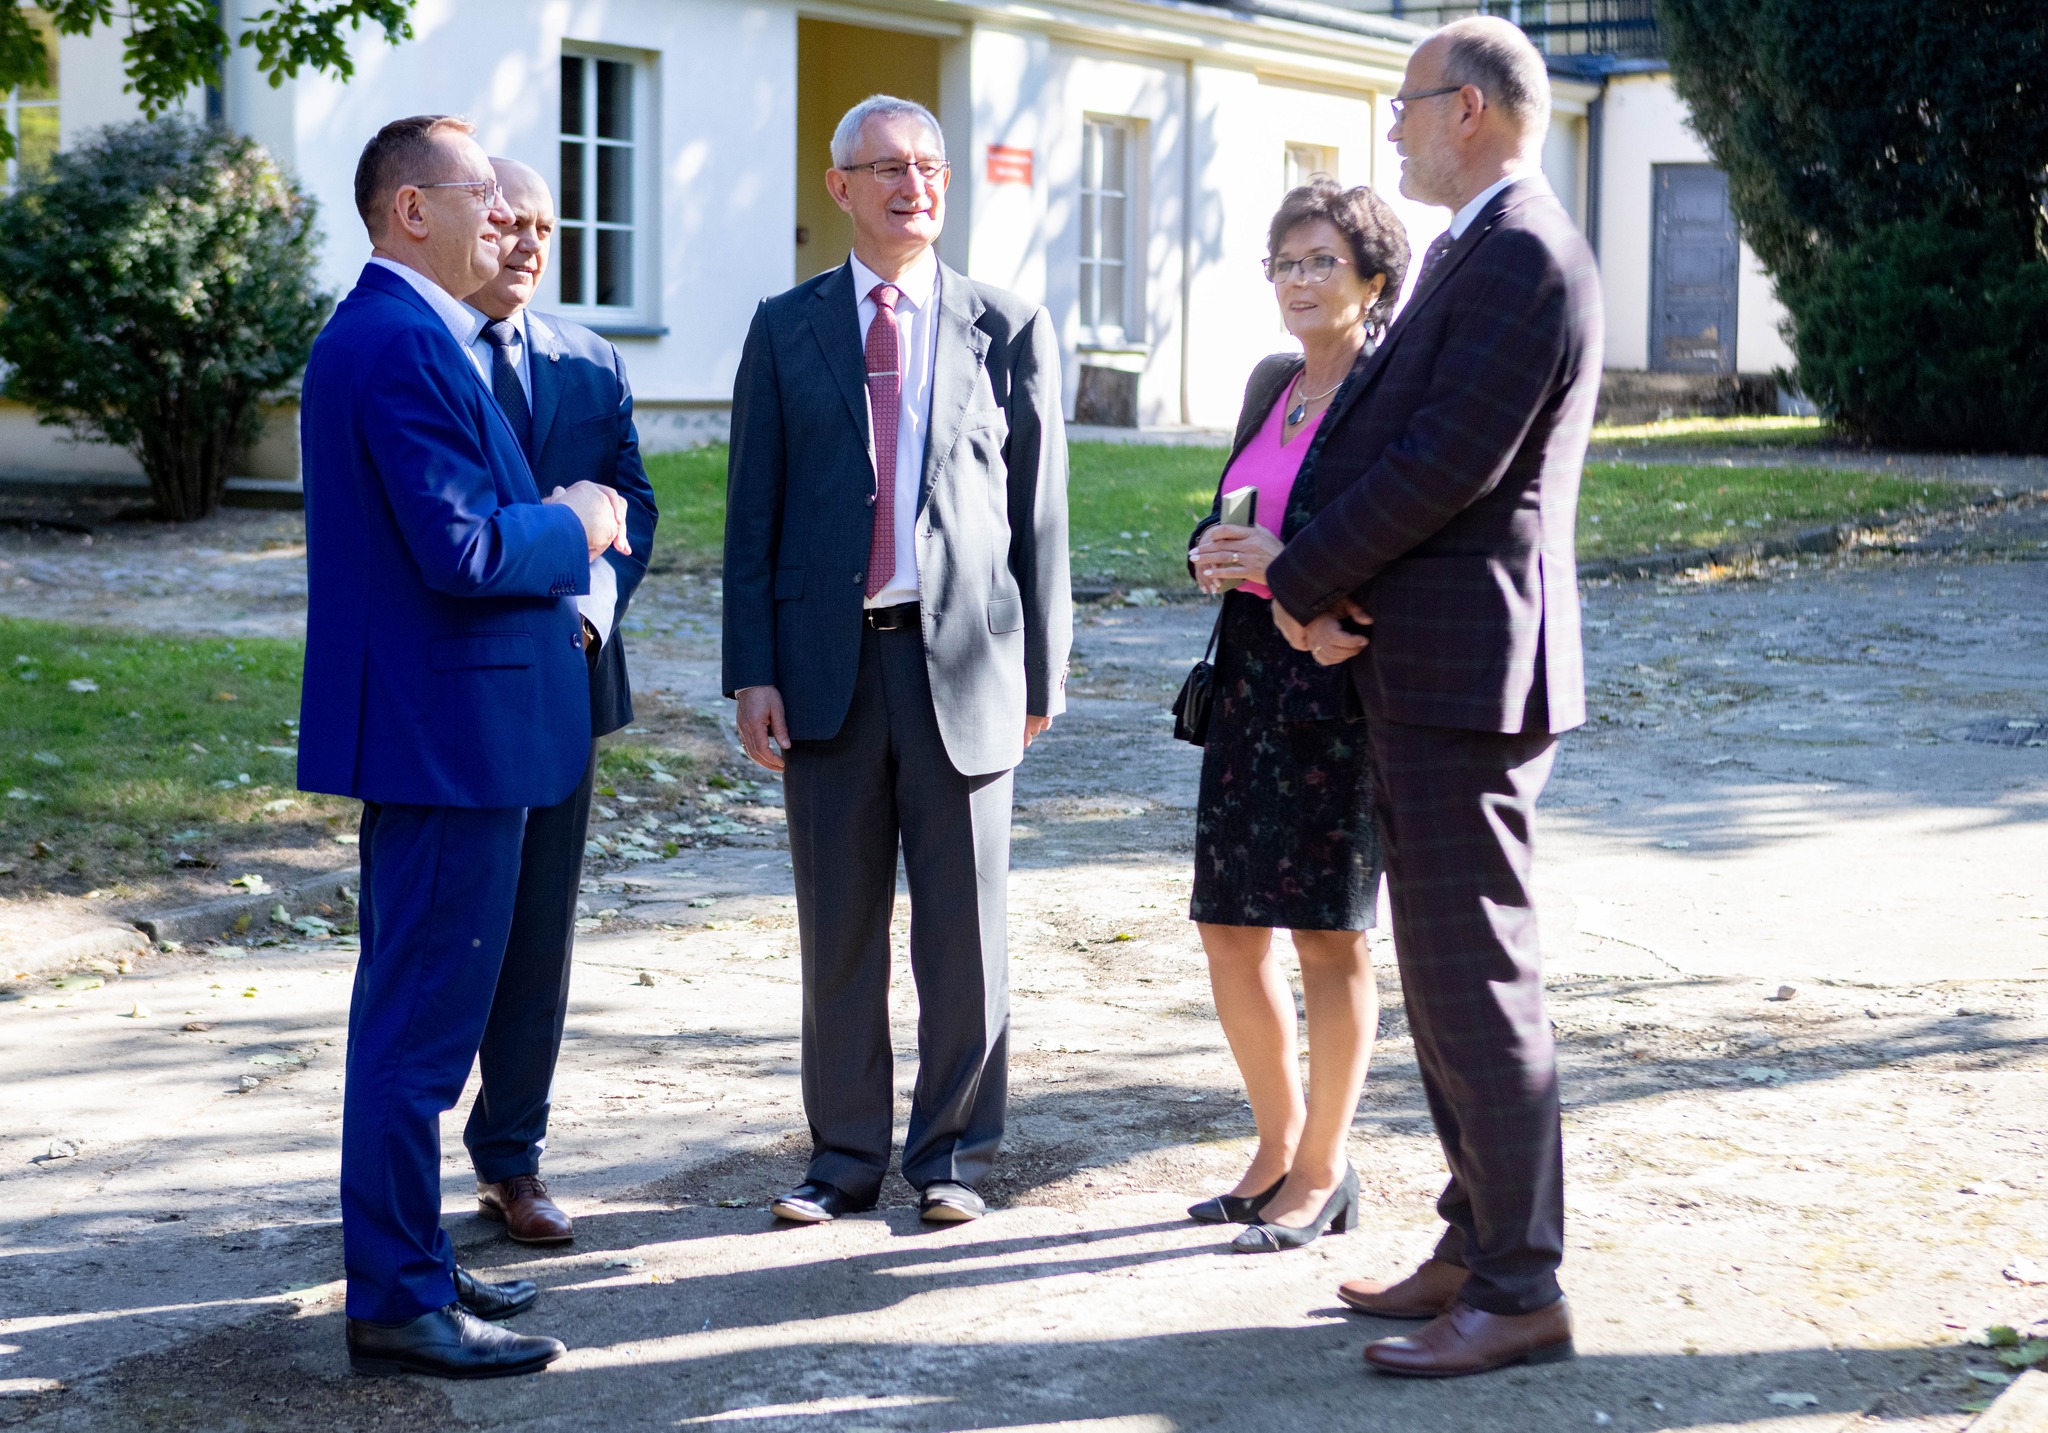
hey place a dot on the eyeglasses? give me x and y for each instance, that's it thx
(487, 190)
(1399, 103)
(891, 171)
(1314, 269)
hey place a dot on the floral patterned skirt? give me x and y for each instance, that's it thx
(1284, 832)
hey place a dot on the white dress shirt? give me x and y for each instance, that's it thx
(601, 603)
(917, 323)
(1462, 220)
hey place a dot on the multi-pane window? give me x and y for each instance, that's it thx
(30, 112)
(597, 238)
(1108, 170)
(1307, 160)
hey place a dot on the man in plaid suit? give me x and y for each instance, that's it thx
(1440, 565)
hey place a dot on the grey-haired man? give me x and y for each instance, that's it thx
(897, 620)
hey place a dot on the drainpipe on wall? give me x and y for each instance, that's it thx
(1596, 128)
(1187, 234)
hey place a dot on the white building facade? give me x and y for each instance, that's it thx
(1117, 160)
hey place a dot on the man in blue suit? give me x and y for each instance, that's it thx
(563, 391)
(446, 687)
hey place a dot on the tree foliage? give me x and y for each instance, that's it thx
(1888, 162)
(174, 45)
(156, 288)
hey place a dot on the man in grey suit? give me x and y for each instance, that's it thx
(897, 620)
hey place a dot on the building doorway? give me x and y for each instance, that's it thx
(1694, 260)
(838, 66)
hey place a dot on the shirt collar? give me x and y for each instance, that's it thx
(484, 321)
(462, 320)
(1462, 220)
(916, 285)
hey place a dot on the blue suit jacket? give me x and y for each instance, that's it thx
(444, 659)
(583, 430)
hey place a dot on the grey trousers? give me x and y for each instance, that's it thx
(885, 778)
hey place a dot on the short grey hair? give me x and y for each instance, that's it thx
(1494, 54)
(846, 138)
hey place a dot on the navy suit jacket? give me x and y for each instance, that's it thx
(583, 429)
(444, 657)
(1446, 482)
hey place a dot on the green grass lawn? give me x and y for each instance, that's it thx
(1133, 504)
(119, 752)
(1717, 433)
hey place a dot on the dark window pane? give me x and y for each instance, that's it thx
(572, 93)
(573, 206)
(615, 267)
(614, 100)
(614, 184)
(1112, 238)
(1091, 236)
(1110, 307)
(569, 263)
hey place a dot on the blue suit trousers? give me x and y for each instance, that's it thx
(438, 893)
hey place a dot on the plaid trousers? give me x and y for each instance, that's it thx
(1455, 812)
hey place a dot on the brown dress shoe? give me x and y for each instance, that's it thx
(1463, 1340)
(522, 1205)
(1422, 1295)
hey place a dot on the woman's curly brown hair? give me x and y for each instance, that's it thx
(1379, 243)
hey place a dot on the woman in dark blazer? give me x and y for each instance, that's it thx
(1284, 834)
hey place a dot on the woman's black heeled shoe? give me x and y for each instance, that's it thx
(1340, 1212)
(1233, 1208)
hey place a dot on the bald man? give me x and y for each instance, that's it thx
(1439, 566)
(563, 391)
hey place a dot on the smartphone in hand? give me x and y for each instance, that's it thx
(1240, 508)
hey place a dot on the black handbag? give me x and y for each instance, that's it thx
(1197, 694)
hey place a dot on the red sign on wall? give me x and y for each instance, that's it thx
(1008, 164)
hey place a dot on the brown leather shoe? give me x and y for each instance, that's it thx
(522, 1205)
(1422, 1295)
(1463, 1340)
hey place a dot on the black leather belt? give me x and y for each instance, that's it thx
(890, 619)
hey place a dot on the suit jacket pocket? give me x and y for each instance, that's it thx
(789, 583)
(1006, 614)
(985, 418)
(480, 649)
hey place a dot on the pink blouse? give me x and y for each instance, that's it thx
(1271, 466)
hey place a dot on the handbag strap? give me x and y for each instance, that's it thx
(1215, 630)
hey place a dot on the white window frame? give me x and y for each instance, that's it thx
(641, 314)
(13, 104)
(1301, 162)
(1097, 328)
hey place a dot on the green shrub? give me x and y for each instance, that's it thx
(156, 289)
(1885, 161)
(1929, 334)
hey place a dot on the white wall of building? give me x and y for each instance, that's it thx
(1644, 125)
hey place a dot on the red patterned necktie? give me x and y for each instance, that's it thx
(885, 408)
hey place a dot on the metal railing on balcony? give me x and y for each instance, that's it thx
(1621, 29)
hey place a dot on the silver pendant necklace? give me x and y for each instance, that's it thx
(1298, 414)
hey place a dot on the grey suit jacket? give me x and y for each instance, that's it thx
(991, 525)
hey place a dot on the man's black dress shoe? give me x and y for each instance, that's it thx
(494, 1301)
(447, 1343)
(945, 1202)
(816, 1202)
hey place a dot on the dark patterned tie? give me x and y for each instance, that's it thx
(885, 408)
(1432, 256)
(501, 336)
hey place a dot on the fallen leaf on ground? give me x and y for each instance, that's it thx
(732, 1204)
(1795, 1400)
(198, 1026)
(82, 685)
(80, 982)
(254, 884)
(2023, 1270)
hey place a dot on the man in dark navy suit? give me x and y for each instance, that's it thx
(445, 687)
(564, 393)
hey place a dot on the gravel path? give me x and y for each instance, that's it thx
(1795, 919)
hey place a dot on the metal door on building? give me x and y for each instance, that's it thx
(1694, 259)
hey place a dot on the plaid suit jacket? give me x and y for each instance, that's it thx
(1446, 482)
